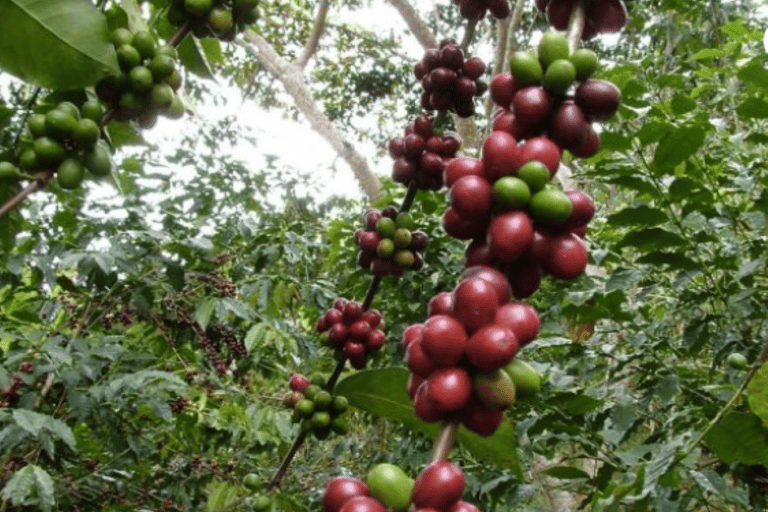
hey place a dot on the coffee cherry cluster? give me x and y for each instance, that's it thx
(517, 221)
(387, 488)
(420, 156)
(458, 354)
(216, 18)
(389, 244)
(352, 331)
(146, 86)
(449, 81)
(602, 16)
(476, 9)
(65, 139)
(316, 410)
(535, 101)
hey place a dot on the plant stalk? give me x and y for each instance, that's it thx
(444, 440)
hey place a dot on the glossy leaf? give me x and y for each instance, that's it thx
(382, 393)
(60, 44)
(740, 437)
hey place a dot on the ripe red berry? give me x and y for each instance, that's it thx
(340, 490)
(418, 361)
(491, 347)
(493, 276)
(439, 486)
(411, 334)
(472, 197)
(298, 383)
(440, 304)
(363, 504)
(443, 340)
(475, 303)
(449, 389)
(510, 235)
(521, 319)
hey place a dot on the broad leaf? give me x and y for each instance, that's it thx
(193, 56)
(758, 394)
(383, 394)
(740, 437)
(59, 44)
(31, 485)
(678, 146)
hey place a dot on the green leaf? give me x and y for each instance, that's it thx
(193, 56)
(566, 473)
(175, 274)
(383, 394)
(754, 73)
(671, 259)
(42, 425)
(753, 108)
(204, 310)
(124, 134)
(61, 44)
(31, 485)
(682, 104)
(642, 215)
(221, 496)
(739, 437)
(758, 394)
(678, 145)
(649, 239)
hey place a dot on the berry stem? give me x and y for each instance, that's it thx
(409, 197)
(40, 181)
(335, 375)
(444, 440)
(576, 23)
(469, 33)
(178, 36)
(274, 482)
(372, 289)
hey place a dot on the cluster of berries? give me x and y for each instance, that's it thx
(388, 243)
(420, 156)
(314, 409)
(217, 18)
(535, 101)
(352, 331)
(438, 488)
(602, 16)
(146, 86)
(476, 9)
(449, 81)
(517, 220)
(65, 139)
(458, 354)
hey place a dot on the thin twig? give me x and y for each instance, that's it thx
(733, 400)
(178, 36)
(274, 483)
(40, 181)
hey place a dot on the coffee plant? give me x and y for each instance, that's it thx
(551, 299)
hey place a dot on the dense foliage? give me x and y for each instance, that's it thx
(149, 323)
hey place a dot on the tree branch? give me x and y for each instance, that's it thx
(314, 38)
(293, 81)
(417, 26)
(39, 182)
